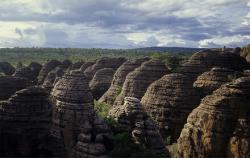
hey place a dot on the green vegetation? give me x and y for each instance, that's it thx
(41, 55)
(124, 147)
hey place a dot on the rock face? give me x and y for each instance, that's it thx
(77, 65)
(137, 81)
(101, 82)
(46, 69)
(113, 63)
(132, 118)
(119, 78)
(213, 79)
(10, 84)
(205, 60)
(219, 126)
(246, 53)
(86, 65)
(25, 122)
(35, 68)
(52, 77)
(74, 116)
(169, 101)
(25, 72)
(6, 68)
(66, 64)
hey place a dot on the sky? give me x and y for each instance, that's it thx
(124, 23)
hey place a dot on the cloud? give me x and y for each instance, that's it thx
(124, 23)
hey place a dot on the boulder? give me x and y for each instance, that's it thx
(169, 101)
(137, 81)
(46, 69)
(119, 78)
(101, 82)
(219, 126)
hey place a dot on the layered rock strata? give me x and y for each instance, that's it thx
(132, 118)
(6, 68)
(24, 123)
(169, 101)
(101, 82)
(119, 78)
(137, 81)
(219, 126)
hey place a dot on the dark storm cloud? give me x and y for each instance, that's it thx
(118, 19)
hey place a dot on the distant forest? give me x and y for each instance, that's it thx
(41, 55)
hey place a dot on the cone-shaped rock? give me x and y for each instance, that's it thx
(35, 68)
(219, 126)
(213, 79)
(66, 64)
(10, 84)
(103, 63)
(6, 68)
(119, 78)
(101, 82)
(132, 118)
(52, 77)
(169, 101)
(73, 115)
(46, 69)
(25, 72)
(205, 60)
(25, 122)
(77, 65)
(137, 81)
(86, 65)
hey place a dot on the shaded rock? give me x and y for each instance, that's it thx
(52, 77)
(213, 79)
(132, 118)
(66, 64)
(101, 82)
(86, 65)
(46, 69)
(169, 101)
(213, 129)
(25, 72)
(119, 78)
(77, 65)
(6, 68)
(105, 62)
(245, 52)
(73, 115)
(10, 84)
(205, 60)
(246, 73)
(24, 123)
(35, 68)
(137, 81)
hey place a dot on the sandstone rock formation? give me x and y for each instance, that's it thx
(77, 65)
(75, 126)
(103, 63)
(35, 68)
(24, 123)
(132, 118)
(101, 82)
(246, 53)
(10, 84)
(119, 78)
(246, 73)
(52, 77)
(205, 60)
(46, 69)
(169, 101)
(213, 79)
(137, 81)
(6, 68)
(66, 64)
(219, 126)
(86, 65)
(25, 72)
